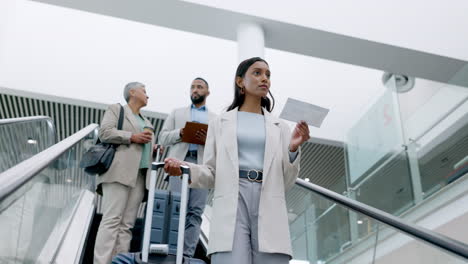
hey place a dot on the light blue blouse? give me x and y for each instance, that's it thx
(251, 141)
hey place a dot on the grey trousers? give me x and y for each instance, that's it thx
(195, 207)
(245, 246)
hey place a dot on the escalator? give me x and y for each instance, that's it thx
(47, 203)
(48, 215)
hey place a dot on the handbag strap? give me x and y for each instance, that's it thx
(119, 125)
(121, 116)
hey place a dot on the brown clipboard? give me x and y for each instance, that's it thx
(190, 130)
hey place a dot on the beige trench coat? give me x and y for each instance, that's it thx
(220, 171)
(126, 163)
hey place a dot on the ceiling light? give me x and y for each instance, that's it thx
(32, 141)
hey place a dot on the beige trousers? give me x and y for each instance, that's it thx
(120, 205)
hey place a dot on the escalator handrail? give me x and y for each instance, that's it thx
(15, 177)
(50, 122)
(440, 241)
(8, 121)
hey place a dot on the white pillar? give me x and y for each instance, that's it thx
(250, 41)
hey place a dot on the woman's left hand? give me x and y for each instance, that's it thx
(300, 135)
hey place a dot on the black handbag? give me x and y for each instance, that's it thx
(98, 158)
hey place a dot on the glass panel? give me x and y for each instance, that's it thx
(22, 140)
(375, 137)
(409, 143)
(435, 121)
(378, 169)
(36, 216)
(324, 232)
(389, 187)
(319, 229)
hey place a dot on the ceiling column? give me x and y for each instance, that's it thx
(250, 41)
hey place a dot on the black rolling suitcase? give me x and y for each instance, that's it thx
(165, 227)
(164, 222)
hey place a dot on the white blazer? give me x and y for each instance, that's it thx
(220, 170)
(170, 133)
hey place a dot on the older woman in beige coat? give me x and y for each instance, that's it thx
(123, 185)
(250, 160)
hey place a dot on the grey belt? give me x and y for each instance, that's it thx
(251, 175)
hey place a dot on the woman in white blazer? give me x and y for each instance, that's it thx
(250, 160)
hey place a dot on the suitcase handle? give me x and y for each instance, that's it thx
(182, 211)
(157, 165)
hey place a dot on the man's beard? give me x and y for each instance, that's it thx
(197, 100)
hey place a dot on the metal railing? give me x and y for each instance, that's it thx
(432, 238)
(26, 119)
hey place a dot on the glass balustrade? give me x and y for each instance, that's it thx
(325, 232)
(22, 138)
(35, 217)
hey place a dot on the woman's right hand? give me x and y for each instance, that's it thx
(172, 166)
(141, 138)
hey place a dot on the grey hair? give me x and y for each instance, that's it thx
(130, 86)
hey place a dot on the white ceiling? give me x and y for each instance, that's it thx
(433, 26)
